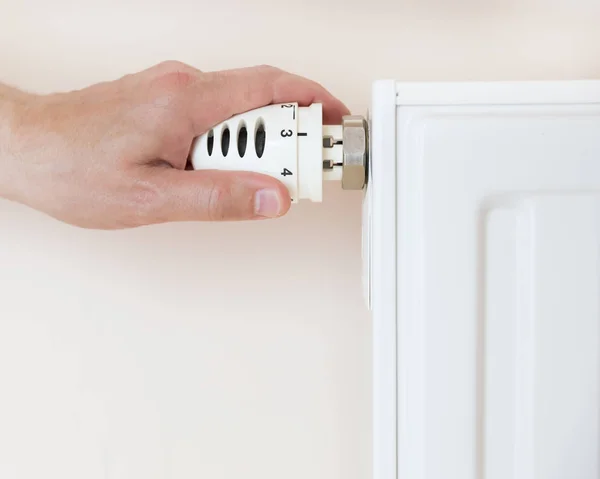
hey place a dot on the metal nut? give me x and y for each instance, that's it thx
(355, 152)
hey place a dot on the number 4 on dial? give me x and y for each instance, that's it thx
(286, 172)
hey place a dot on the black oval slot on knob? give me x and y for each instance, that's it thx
(210, 142)
(242, 140)
(260, 138)
(225, 139)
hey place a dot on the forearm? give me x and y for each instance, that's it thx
(12, 105)
(7, 114)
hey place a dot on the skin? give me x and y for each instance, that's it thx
(115, 155)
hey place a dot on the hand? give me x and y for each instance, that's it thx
(115, 155)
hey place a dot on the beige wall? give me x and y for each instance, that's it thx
(234, 350)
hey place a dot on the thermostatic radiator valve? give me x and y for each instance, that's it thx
(289, 142)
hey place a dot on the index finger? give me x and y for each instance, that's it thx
(221, 95)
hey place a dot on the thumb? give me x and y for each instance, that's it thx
(216, 195)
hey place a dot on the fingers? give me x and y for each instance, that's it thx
(218, 196)
(206, 99)
(218, 96)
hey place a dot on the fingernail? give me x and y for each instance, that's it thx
(267, 203)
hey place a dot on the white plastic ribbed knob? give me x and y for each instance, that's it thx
(283, 140)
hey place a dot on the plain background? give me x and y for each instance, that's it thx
(223, 350)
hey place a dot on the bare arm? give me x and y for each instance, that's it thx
(114, 155)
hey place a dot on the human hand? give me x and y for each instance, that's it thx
(115, 155)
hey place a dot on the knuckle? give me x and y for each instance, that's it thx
(271, 72)
(177, 80)
(172, 66)
(229, 201)
(174, 76)
(144, 202)
(181, 78)
(216, 207)
(269, 68)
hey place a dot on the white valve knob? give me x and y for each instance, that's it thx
(286, 141)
